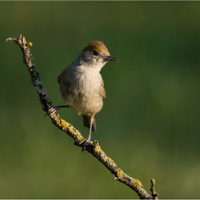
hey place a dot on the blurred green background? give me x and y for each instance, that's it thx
(149, 124)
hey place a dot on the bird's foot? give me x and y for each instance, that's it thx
(55, 109)
(85, 143)
(58, 107)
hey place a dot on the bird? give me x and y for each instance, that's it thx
(82, 86)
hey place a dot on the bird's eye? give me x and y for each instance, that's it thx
(95, 53)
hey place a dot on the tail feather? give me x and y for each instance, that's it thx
(86, 122)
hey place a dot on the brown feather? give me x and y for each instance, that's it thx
(98, 46)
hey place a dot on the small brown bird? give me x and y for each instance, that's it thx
(81, 84)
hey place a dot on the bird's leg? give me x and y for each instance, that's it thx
(62, 106)
(55, 109)
(87, 140)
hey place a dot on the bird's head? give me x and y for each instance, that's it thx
(95, 54)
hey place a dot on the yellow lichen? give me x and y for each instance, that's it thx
(119, 172)
(52, 117)
(108, 159)
(57, 121)
(90, 142)
(153, 181)
(81, 138)
(30, 44)
(64, 123)
(71, 129)
(97, 148)
(137, 182)
(25, 40)
(9, 39)
(96, 142)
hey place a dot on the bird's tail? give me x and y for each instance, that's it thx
(86, 122)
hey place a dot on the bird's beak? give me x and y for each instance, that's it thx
(110, 58)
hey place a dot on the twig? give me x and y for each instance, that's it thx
(94, 147)
(152, 189)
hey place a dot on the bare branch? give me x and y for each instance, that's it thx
(152, 189)
(94, 147)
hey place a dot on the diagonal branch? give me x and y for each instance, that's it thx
(94, 147)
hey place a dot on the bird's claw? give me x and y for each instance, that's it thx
(55, 109)
(85, 146)
(85, 143)
(51, 110)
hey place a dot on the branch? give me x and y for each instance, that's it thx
(152, 189)
(94, 147)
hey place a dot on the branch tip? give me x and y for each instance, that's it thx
(10, 39)
(152, 189)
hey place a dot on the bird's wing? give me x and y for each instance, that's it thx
(65, 86)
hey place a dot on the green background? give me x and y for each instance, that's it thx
(149, 124)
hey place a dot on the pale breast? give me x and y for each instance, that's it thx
(90, 92)
(82, 89)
